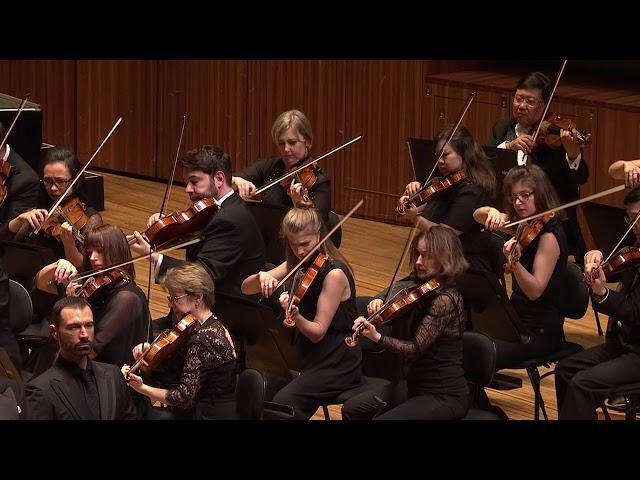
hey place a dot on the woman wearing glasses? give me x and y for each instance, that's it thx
(59, 167)
(455, 206)
(199, 379)
(119, 309)
(537, 268)
(565, 165)
(291, 132)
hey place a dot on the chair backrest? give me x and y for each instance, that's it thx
(250, 395)
(479, 358)
(575, 301)
(332, 221)
(20, 307)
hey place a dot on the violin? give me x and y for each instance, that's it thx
(553, 125)
(626, 257)
(401, 302)
(302, 286)
(5, 169)
(178, 224)
(165, 344)
(97, 286)
(431, 191)
(308, 177)
(526, 233)
(71, 211)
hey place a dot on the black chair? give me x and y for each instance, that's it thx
(631, 397)
(250, 399)
(574, 306)
(479, 362)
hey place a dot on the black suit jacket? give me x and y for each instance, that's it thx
(624, 309)
(56, 395)
(232, 248)
(22, 191)
(565, 180)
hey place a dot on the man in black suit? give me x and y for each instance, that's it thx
(563, 164)
(585, 379)
(75, 387)
(232, 248)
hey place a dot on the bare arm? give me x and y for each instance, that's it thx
(534, 284)
(264, 282)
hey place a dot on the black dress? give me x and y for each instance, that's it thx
(328, 367)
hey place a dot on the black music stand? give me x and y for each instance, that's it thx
(423, 156)
(607, 225)
(488, 307)
(26, 136)
(269, 218)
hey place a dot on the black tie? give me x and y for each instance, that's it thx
(91, 394)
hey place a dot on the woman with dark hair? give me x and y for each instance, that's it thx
(455, 207)
(430, 339)
(120, 311)
(200, 377)
(322, 319)
(59, 166)
(537, 269)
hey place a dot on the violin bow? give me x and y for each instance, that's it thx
(319, 244)
(546, 107)
(15, 119)
(167, 192)
(566, 205)
(78, 175)
(305, 164)
(90, 273)
(615, 249)
(449, 137)
(402, 257)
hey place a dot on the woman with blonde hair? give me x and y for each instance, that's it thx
(321, 319)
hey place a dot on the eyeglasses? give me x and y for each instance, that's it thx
(175, 298)
(530, 101)
(522, 196)
(49, 182)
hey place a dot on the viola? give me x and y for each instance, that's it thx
(165, 344)
(5, 169)
(401, 302)
(308, 177)
(98, 286)
(178, 224)
(553, 125)
(302, 286)
(431, 191)
(526, 233)
(71, 211)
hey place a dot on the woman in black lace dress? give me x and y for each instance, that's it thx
(430, 340)
(204, 369)
(321, 320)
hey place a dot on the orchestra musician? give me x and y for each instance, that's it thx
(430, 339)
(585, 379)
(59, 167)
(537, 269)
(322, 318)
(564, 166)
(455, 206)
(200, 375)
(120, 310)
(292, 133)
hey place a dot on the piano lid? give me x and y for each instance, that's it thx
(9, 104)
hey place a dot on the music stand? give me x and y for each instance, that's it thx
(607, 225)
(488, 307)
(502, 160)
(269, 218)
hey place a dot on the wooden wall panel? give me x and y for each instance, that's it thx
(111, 89)
(213, 95)
(51, 84)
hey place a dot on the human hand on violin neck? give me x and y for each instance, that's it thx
(368, 330)
(570, 143)
(512, 251)
(298, 194)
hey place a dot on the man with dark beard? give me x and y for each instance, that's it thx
(75, 387)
